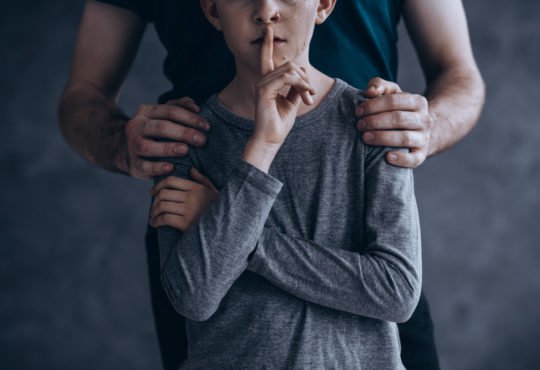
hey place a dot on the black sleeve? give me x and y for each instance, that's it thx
(142, 8)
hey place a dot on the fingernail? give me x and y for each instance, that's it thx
(361, 124)
(359, 111)
(178, 149)
(205, 126)
(369, 136)
(198, 139)
(167, 167)
(393, 157)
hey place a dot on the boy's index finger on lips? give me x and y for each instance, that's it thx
(267, 51)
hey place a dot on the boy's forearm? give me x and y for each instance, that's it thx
(200, 266)
(456, 98)
(383, 281)
(333, 277)
(259, 154)
(94, 127)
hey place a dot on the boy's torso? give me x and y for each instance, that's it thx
(322, 199)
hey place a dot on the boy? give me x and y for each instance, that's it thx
(311, 252)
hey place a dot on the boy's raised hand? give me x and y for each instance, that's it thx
(274, 113)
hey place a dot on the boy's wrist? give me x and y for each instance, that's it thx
(260, 154)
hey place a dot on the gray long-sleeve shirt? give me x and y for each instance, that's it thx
(306, 267)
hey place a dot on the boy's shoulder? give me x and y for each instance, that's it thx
(351, 93)
(349, 99)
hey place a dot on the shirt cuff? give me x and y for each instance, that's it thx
(261, 180)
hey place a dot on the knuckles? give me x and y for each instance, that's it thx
(406, 139)
(143, 108)
(376, 81)
(428, 122)
(140, 145)
(422, 102)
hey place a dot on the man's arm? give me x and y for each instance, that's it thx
(455, 89)
(89, 117)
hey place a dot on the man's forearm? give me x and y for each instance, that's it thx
(94, 127)
(456, 98)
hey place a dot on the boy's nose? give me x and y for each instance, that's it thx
(267, 12)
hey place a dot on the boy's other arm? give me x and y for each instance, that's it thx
(89, 118)
(321, 274)
(455, 90)
(200, 264)
(384, 282)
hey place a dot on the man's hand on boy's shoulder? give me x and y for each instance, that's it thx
(395, 119)
(176, 121)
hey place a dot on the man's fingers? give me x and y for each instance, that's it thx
(185, 102)
(144, 169)
(267, 51)
(386, 103)
(149, 148)
(378, 86)
(391, 121)
(169, 130)
(413, 159)
(397, 139)
(176, 114)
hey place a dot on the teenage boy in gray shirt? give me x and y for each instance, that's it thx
(311, 252)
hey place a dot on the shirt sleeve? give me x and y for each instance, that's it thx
(200, 265)
(384, 282)
(142, 8)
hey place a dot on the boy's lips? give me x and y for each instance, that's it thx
(260, 40)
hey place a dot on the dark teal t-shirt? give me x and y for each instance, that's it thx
(357, 42)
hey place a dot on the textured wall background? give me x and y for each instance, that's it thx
(72, 264)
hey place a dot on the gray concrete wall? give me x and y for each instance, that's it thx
(72, 262)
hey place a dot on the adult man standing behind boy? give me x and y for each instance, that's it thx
(357, 43)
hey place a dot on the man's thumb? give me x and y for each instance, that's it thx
(373, 90)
